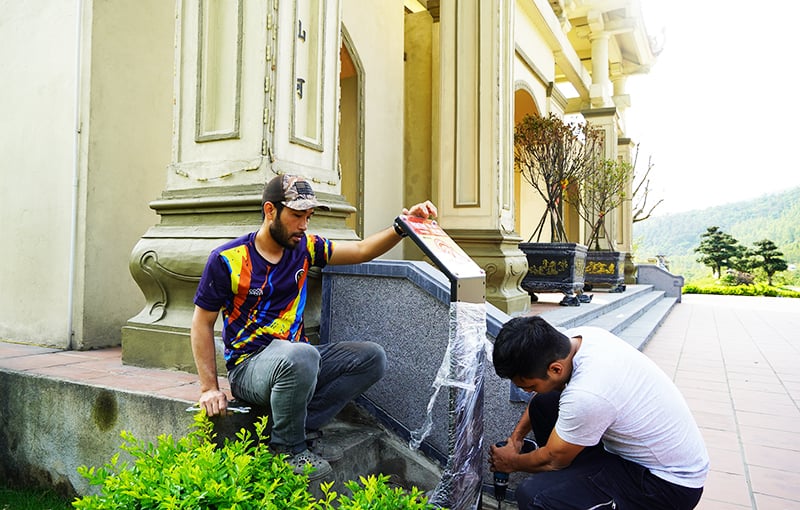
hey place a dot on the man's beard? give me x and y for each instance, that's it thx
(282, 236)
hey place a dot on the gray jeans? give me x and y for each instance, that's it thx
(304, 385)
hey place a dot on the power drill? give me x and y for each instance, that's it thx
(501, 479)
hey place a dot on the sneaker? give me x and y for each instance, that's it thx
(323, 448)
(298, 462)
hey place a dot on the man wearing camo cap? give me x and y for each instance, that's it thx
(259, 281)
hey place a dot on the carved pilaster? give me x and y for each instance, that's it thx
(505, 266)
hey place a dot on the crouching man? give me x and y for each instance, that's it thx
(259, 282)
(613, 430)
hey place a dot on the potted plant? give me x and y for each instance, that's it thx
(603, 189)
(553, 155)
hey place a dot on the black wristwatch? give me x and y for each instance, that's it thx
(398, 228)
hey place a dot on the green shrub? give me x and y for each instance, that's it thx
(734, 278)
(373, 493)
(194, 473)
(758, 289)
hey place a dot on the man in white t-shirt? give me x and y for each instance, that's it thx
(613, 430)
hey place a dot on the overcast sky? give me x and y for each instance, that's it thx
(719, 112)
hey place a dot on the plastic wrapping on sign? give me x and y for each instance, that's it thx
(461, 372)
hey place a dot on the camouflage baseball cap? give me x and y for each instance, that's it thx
(292, 191)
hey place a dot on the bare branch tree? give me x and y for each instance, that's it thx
(641, 191)
(552, 155)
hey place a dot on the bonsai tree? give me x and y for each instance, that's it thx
(553, 155)
(717, 249)
(602, 190)
(770, 258)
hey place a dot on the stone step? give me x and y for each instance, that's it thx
(642, 329)
(602, 303)
(370, 449)
(617, 319)
(634, 315)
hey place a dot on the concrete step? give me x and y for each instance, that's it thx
(642, 329)
(370, 449)
(634, 315)
(602, 303)
(367, 447)
(617, 319)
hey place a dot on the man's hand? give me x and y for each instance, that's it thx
(556, 454)
(356, 252)
(425, 210)
(214, 402)
(502, 459)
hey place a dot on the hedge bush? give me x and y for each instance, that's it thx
(757, 289)
(194, 473)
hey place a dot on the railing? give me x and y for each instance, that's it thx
(660, 279)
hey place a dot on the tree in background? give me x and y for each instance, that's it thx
(770, 259)
(641, 191)
(601, 191)
(553, 155)
(719, 250)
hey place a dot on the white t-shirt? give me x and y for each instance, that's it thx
(619, 395)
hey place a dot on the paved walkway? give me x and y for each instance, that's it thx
(736, 359)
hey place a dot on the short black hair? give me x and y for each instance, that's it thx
(526, 346)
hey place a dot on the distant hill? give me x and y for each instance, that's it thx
(775, 217)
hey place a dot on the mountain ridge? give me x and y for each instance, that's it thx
(775, 216)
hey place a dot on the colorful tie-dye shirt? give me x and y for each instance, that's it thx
(260, 301)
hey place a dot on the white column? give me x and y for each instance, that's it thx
(601, 85)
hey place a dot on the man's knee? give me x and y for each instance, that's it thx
(375, 359)
(301, 361)
(360, 358)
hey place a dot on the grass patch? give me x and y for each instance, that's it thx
(32, 499)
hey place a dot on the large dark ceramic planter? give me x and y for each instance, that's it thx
(605, 269)
(555, 267)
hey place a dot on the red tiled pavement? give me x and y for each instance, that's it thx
(736, 360)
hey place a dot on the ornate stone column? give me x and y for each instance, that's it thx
(473, 143)
(250, 102)
(607, 120)
(625, 149)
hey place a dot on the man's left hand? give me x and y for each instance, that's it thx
(425, 210)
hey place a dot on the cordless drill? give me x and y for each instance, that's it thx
(501, 479)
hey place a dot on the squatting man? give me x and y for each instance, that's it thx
(613, 430)
(259, 282)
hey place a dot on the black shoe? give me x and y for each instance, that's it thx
(298, 462)
(325, 449)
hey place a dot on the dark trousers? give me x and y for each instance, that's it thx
(596, 479)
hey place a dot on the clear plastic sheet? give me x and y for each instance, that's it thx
(461, 372)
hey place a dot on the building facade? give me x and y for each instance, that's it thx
(140, 133)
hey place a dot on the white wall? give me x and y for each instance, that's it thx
(125, 78)
(124, 166)
(376, 29)
(38, 83)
